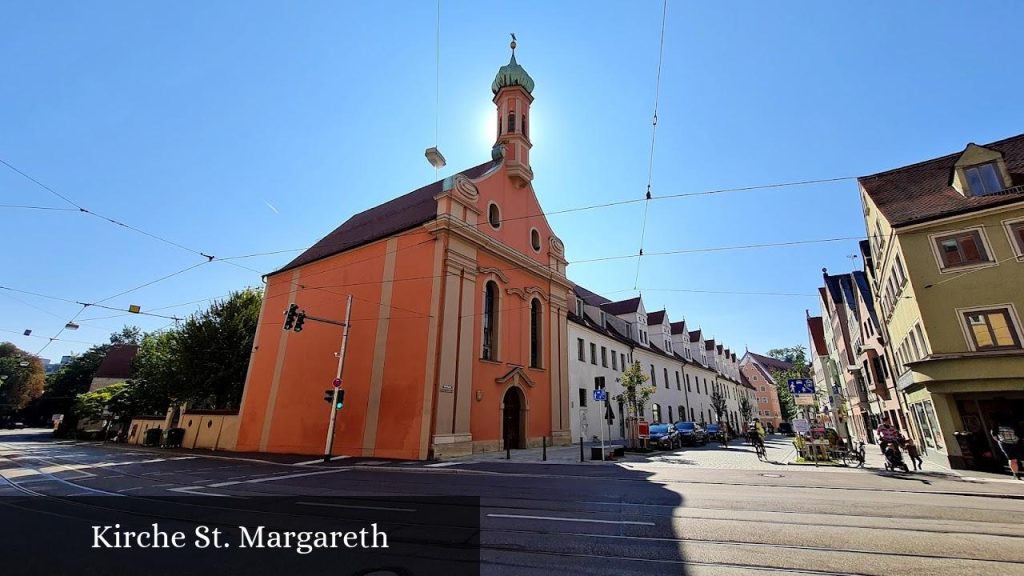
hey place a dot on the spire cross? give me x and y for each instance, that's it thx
(513, 43)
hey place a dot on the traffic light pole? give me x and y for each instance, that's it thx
(341, 367)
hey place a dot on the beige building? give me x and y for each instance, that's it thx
(947, 272)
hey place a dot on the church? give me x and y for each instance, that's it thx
(457, 338)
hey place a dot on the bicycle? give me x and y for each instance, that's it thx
(759, 449)
(854, 457)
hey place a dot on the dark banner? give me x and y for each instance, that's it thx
(283, 536)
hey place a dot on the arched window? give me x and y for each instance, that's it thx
(511, 123)
(656, 413)
(490, 336)
(535, 328)
(535, 239)
(494, 216)
(670, 414)
(525, 131)
(682, 412)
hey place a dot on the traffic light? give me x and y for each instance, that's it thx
(299, 320)
(289, 316)
(329, 397)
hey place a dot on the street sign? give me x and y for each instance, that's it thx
(801, 426)
(337, 382)
(803, 400)
(801, 386)
(643, 429)
(600, 395)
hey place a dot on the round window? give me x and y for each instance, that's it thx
(494, 216)
(535, 239)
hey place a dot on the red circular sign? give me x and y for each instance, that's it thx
(337, 382)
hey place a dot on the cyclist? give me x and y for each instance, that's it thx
(755, 432)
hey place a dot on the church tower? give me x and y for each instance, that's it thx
(513, 89)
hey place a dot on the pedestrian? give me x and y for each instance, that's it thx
(887, 434)
(914, 453)
(1008, 440)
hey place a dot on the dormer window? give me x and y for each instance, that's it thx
(984, 179)
(579, 307)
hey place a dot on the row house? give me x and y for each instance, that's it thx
(684, 371)
(945, 263)
(827, 381)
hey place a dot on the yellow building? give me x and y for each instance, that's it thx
(947, 270)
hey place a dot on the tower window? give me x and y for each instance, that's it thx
(535, 328)
(525, 131)
(490, 338)
(535, 239)
(494, 216)
(511, 123)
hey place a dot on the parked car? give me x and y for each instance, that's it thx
(691, 433)
(665, 436)
(714, 433)
(786, 429)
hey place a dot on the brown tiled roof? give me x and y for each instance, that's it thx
(718, 348)
(655, 318)
(591, 298)
(709, 344)
(622, 306)
(402, 213)
(695, 336)
(771, 363)
(817, 328)
(118, 362)
(678, 327)
(608, 331)
(924, 191)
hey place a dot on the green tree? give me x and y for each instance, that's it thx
(22, 378)
(797, 356)
(746, 408)
(635, 396)
(718, 404)
(127, 335)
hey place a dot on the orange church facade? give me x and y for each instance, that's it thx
(457, 335)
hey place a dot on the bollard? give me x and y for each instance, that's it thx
(544, 448)
(581, 448)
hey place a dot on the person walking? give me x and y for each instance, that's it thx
(887, 434)
(1008, 440)
(914, 453)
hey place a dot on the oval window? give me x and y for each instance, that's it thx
(494, 216)
(535, 239)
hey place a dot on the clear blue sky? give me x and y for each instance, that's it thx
(186, 119)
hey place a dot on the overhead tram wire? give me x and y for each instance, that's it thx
(654, 131)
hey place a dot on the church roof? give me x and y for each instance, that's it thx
(512, 74)
(402, 213)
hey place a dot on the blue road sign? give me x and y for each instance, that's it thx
(801, 386)
(600, 395)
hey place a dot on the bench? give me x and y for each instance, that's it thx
(610, 451)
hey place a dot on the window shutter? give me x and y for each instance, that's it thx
(972, 252)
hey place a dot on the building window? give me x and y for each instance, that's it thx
(494, 216)
(688, 389)
(525, 131)
(622, 365)
(666, 377)
(581, 349)
(920, 337)
(656, 413)
(535, 239)
(692, 417)
(991, 329)
(679, 386)
(654, 380)
(983, 179)
(615, 360)
(583, 397)
(490, 348)
(1016, 232)
(579, 307)
(535, 329)
(901, 276)
(670, 413)
(604, 357)
(593, 354)
(599, 383)
(961, 249)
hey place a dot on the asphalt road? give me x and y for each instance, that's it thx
(598, 519)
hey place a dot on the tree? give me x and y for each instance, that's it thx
(23, 378)
(797, 356)
(746, 408)
(636, 395)
(718, 404)
(127, 335)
